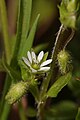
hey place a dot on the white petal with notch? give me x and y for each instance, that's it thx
(46, 62)
(44, 69)
(26, 61)
(33, 57)
(29, 56)
(40, 56)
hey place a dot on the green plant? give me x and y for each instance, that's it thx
(25, 72)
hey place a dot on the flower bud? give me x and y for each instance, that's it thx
(64, 59)
(71, 7)
(16, 92)
(69, 12)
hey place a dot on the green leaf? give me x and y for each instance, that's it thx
(15, 75)
(58, 85)
(78, 115)
(29, 41)
(12, 44)
(4, 25)
(19, 28)
(1, 66)
(27, 5)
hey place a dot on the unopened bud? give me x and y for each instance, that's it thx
(64, 59)
(69, 13)
(16, 92)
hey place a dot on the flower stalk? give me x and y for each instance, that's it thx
(51, 76)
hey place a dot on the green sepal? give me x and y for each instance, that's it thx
(45, 56)
(25, 74)
(25, 71)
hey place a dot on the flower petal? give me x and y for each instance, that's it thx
(40, 56)
(46, 62)
(33, 70)
(29, 57)
(34, 57)
(26, 61)
(44, 69)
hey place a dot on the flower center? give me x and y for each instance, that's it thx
(35, 66)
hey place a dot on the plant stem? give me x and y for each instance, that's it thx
(48, 77)
(22, 112)
(60, 43)
(4, 107)
(5, 113)
(45, 85)
(5, 30)
(40, 113)
(64, 36)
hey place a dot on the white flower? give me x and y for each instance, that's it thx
(37, 63)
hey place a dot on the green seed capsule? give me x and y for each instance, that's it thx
(16, 92)
(63, 58)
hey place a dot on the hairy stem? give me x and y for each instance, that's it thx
(45, 83)
(44, 87)
(40, 113)
(60, 43)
